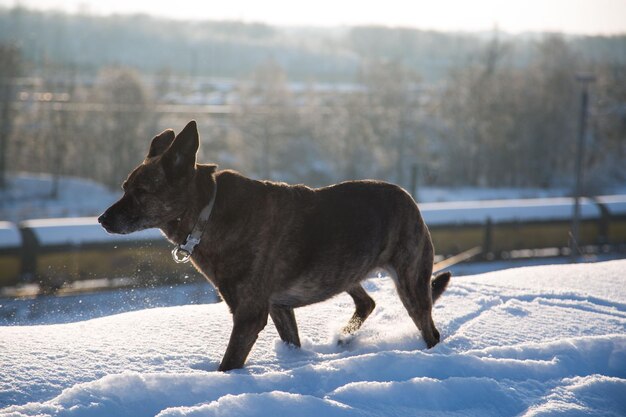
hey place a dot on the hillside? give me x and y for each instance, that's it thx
(233, 49)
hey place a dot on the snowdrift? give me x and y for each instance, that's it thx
(28, 196)
(535, 341)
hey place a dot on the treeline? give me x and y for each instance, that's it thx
(492, 124)
(149, 45)
(494, 118)
(234, 49)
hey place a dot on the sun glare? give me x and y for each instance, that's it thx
(570, 16)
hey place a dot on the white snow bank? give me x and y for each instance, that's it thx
(500, 211)
(81, 230)
(537, 341)
(616, 203)
(28, 196)
(9, 236)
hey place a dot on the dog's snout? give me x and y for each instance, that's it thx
(106, 222)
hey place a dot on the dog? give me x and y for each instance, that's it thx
(270, 247)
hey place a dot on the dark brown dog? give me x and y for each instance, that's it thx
(270, 247)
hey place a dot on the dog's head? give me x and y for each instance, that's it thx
(157, 191)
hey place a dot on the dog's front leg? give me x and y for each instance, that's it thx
(247, 325)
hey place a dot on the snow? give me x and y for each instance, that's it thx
(9, 236)
(51, 309)
(442, 194)
(477, 212)
(532, 341)
(80, 230)
(28, 197)
(617, 203)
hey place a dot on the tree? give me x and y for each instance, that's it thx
(266, 117)
(552, 111)
(511, 126)
(476, 104)
(392, 104)
(606, 160)
(10, 66)
(122, 130)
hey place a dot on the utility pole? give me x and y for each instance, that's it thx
(584, 80)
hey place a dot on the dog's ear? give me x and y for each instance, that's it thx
(179, 160)
(161, 142)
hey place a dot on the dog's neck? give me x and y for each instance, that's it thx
(180, 227)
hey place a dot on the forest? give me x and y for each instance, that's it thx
(82, 95)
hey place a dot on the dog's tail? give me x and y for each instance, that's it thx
(438, 284)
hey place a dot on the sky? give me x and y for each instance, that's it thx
(568, 16)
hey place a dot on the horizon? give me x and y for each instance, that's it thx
(580, 17)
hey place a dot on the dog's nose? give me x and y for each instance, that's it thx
(102, 218)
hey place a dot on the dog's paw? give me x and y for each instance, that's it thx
(437, 335)
(344, 340)
(433, 339)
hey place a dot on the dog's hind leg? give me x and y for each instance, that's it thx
(285, 321)
(364, 307)
(413, 265)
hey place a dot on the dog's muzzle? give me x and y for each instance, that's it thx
(103, 220)
(109, 224)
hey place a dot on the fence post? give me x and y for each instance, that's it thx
(488, 240)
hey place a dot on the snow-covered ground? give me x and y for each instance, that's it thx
(534, 341)
(28, 197)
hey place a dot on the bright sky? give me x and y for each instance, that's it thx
(570, 16)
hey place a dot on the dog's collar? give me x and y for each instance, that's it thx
(182, 253)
